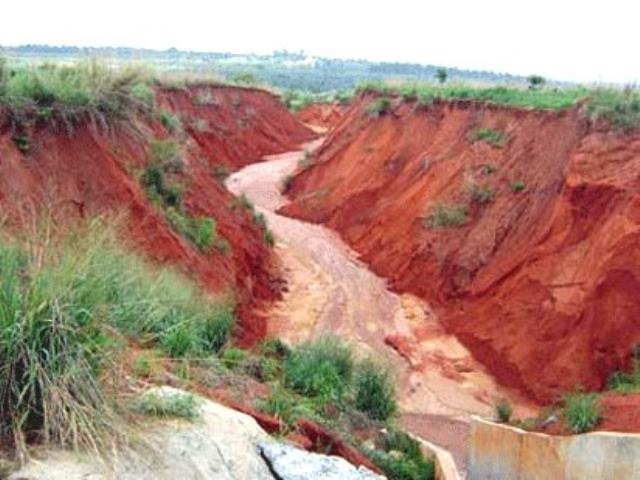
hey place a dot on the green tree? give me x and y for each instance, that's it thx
(442, 74)
(536, 81)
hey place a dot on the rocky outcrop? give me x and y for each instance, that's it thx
(290, 463)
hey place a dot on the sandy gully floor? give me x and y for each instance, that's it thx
(439, 384)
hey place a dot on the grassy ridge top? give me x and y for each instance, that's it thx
(619, 107)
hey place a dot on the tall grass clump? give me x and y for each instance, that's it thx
(322, 368)
(374, 392)
(582, 411)
(627, 382)
(62, 298)
(446, 215)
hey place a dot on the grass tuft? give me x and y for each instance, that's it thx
(582, 411)
(374, 392)
(168, 405)
(448, 215)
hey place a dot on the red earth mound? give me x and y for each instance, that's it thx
(76, 171)
(321, 115)
(542, 279)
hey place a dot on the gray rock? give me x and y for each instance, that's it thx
(290, 463)
(220, 445)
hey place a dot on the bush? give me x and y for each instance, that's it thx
(379, 106)
(22, 142)
(503, 410)
(374, 392)
(446, 215)
(160, 404)
(536, 81)
(264, 369)
(582, 411)
(322, 368)
(518, 186)
(401, 458)
(492, 137)
(274, 347)
(233, 357)
(441, 74)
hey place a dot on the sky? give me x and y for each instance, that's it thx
(583, 41)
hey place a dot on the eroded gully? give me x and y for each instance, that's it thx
(439, 385)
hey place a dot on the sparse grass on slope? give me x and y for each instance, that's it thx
(62, 300)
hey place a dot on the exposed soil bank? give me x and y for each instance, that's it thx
(540, 284)
(76, 171)
(321, 115)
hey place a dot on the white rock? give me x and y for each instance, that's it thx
(290, 463)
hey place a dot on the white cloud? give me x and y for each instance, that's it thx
(571, 40)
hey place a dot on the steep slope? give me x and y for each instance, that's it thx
(76, 170)
(321, 115)
(540, 277)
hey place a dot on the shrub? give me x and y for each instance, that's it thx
(401, 458)
(264, 369)
(518, 186)
(171, 122)
(482, 194)
(442, 74)
(446, 215)
(492, 137)
(379, 106)
(582, 411)
(164, 404)
(503, 410)
(233, 357)
(321, 368)
(374, 392)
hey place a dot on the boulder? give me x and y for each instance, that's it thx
(290, 463)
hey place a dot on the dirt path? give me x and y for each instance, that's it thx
(330, 290)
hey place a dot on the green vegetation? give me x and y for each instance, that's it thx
(245, 78)
(201, 231)
(296, 100)
(171, 122)
(379, 106)
(442, 74)
(167, 154)
(62, 300)
(627, 382)
(165, 405)
(374, 391)
(621, 108)
(145, 365)
(22, 142)
(536, 81)
(233, 357)
(400, 458)
(555, 99)
(264, 369)
(492, 137)
(448, 215)
(482, 194)
(503, 410)
(322, 368)
(257, 218)
(518, 186)
(88, 86)
(220, 172)
(582, 411)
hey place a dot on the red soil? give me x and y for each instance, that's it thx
(94, 170)
(542, 285)
(321, 115)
